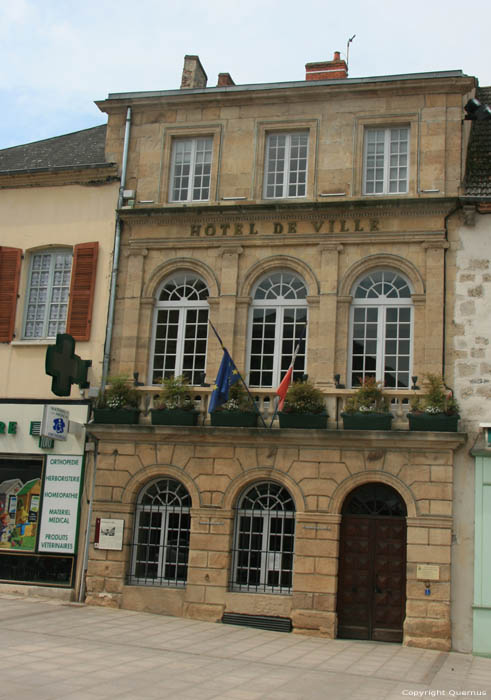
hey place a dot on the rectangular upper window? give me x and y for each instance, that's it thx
(47, 294)
(386, 161)
(285, 170)
(191, 169)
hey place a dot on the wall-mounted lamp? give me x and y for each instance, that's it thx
(476, 111)
(414, 380)
(135, 379)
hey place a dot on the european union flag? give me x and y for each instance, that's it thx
(228, 375)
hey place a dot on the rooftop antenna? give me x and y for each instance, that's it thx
(347, 51)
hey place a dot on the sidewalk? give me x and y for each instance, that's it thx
(60, 651)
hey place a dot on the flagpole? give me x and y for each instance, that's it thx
(296, 350)
(240, 376)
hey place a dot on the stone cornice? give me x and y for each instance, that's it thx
(271, 438)
(306, 211)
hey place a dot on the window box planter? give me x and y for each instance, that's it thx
(174, 417)
(367, 421)
(309, 421)
(437, 422)
(235, 419)
(120, 416)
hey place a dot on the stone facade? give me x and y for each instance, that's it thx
(330, 238)
(319, 471)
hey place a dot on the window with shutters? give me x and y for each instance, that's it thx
(10, 261)
(60, 292)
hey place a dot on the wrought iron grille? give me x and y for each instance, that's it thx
(262, 558)
(160, 545)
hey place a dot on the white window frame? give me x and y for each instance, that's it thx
(287, 171)
(279, 304)
(271, 560)
(182, 306)
(390, 162)
(164, 511)
(382, 304)
(50, 296)
(194, 166)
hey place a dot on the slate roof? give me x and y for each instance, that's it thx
(81, 148)
(478, 169)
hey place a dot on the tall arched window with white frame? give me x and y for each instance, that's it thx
(277, 317)
(381, 329)
(160, 545)
(264, 540)
(180, 330)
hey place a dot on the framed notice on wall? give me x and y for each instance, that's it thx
(61, 496)
(108, 533)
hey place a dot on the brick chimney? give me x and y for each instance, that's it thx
(327, 70)
(193, 74)
(225, 80)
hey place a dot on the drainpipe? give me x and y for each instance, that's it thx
(444, 343)
(117, 243)
(83, 579)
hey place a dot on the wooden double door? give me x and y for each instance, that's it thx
(371, 597)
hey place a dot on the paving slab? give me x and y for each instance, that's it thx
(54, 650)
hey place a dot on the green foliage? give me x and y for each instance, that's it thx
(369, 398)
(304, 397)
(175, 394)
(119, 394)
(439, 399)
(238, 399)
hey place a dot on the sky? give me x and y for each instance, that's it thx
(58, 56)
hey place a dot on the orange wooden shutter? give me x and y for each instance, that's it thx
(79, 317)
(9, 285)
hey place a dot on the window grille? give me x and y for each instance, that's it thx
(160, 545)
(262, 558)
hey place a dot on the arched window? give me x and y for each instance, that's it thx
(180, 329)
(381, 330)
(278, 315)
(264, 540)
(375, 499)
(161, 535)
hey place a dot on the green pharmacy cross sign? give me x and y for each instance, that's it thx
(65, 367)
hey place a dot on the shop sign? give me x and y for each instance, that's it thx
(61, 495)
(55, 422)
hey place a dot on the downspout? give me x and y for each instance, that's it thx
(117, 243)
(83, 580)
(107, 343)
(444, 341)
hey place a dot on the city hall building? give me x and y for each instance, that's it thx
(330, 202)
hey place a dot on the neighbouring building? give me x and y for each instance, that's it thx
(471, 366)
(261, 208)
(56, 236)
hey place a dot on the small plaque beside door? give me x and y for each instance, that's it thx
(428, 572)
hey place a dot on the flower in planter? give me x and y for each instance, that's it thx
(369, 398)
(175, 395)
(120, 394)
(304, 397)
(438, 400)
(238, 400)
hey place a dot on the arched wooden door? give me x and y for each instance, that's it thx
(371, 597)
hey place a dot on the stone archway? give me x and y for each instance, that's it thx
(371, 598)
